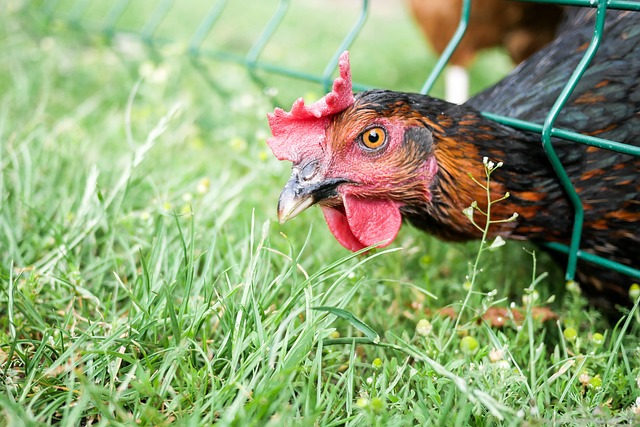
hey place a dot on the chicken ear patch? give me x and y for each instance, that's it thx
(365, 222)
(300, 133)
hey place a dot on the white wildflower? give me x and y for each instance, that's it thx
(503, 364)
(531, 298)
(423, 327)
(584, 379)
(362, 402)
(203, 185)
(468, 212)
(496, 354)
(498, 241)
(271, 91)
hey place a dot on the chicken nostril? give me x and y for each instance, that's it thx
(308, 171)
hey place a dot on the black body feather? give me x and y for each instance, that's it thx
(605, 103)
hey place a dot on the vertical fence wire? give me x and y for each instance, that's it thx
(109, 25)
(346, 43)
(77, 10)
(266, 34)
(205, 26)
(451, 47)
(157, 16)
(565, 181)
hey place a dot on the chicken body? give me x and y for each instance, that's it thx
(381, 157)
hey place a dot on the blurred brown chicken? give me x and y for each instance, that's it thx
(521, 28)
(380, 157)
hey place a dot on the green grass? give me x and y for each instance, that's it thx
(143, 279)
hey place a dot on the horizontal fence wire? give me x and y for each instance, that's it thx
(253, 62)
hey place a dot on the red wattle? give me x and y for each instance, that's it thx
(364, 222)
(339, 226)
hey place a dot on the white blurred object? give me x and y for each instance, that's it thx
(456, 84)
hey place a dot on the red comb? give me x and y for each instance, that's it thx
(301, 131)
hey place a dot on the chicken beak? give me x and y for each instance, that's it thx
(305, 188)
(293, 200)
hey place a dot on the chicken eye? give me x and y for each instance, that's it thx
(374, 138)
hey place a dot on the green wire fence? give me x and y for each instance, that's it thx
(73, 15)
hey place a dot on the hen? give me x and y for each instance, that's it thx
(380, 157)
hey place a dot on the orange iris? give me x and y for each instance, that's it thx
(374, 138)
